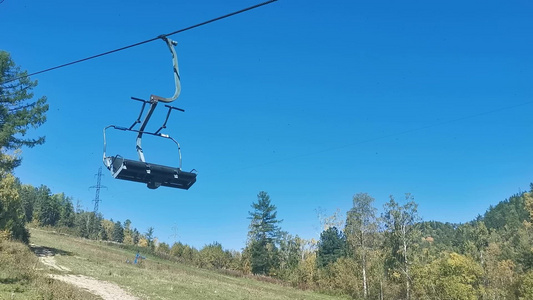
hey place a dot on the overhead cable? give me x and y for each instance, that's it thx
(146, 41)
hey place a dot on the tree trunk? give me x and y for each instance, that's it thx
(363, 258)
(407, 284)
(365, 289)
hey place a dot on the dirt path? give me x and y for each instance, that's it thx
(106, 290)
(46, 256)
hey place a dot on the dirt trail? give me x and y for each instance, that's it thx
(104, 289)
(46, 256)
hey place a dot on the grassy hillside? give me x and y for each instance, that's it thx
(155, 278)
(22, 277)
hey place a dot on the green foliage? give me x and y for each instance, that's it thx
(332, 246)
(499, 277)
(214, 257)
(525, 288)
(508, 213)
(88, 224)
(263, 225)
(17, 263)
(12, 217)
(440, 235)
(17, 112)
(164, 248)
(475, 236)
(264, 235)
(342, 277)
(118, 232)
(66, 210)
(149, 235)
(28, 196)
(47, 209)
(263, 257)
(528, 203)
(361, 232)
(401, 237)
(290, 253)
(453, 276)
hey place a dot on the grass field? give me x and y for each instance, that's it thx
(22, 277)
(155, 278)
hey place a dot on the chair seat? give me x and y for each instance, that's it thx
(152, 174)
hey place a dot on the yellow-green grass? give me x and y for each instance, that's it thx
(157, 278)
(22, 277)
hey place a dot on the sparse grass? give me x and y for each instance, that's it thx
(20, 277)
(157, 278)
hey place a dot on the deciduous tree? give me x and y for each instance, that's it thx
(361, 228)
(400, 236)
(12, 218)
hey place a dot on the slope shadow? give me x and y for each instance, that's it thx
(42, 251)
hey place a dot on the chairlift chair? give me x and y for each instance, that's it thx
(153, 175)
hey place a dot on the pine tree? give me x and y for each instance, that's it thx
(118, 232)
(332, 246)
(47, 208)
(264, 235)
(17, 112)
(149, 235)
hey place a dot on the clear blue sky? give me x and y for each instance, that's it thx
(311, 101)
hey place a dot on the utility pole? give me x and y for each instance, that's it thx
(98, 186)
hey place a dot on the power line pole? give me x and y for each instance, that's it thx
(98, 186)
(175, 232)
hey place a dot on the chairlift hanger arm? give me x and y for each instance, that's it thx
(170, 43)
(155, 99)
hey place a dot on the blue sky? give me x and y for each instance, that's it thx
(311, 101)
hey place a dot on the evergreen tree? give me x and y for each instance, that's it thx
(118, 232)
(136, 236)
(17, 111)
(47, 209)
(17, 114)
(264, 235)
(149, 235)
(89, 224)
(28, 196)
(103, 234)
(66, 210)
(331, 246)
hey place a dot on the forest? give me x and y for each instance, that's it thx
(392, 255)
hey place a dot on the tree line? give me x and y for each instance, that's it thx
(392, 255)
(397, 255)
